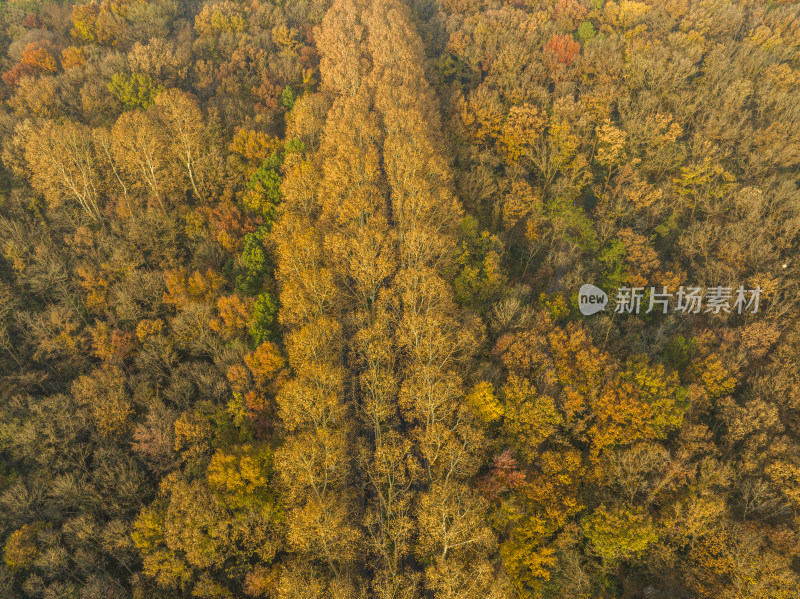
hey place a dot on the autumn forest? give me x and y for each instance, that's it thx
(289, 299)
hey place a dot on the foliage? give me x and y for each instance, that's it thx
(479, 278)
(20, 549)
(618, 533)
(263, 193)
(288, 299)
(586, 31)
(136, 90)
(262, 326)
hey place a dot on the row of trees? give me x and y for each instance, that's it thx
(153, 155)
(380, 445)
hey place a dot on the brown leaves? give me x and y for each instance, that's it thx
(183, 287)
(234, 316)
(504, 476)
(154, 439)
(103, 391)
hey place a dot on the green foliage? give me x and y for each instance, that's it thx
(293, 146)
(571, 223)
(263, 191)
(478, 275)
(288, 98)
(556, 305)
(256, 263)
(262, 327)
(615, 270)
(136, 90)
(7, 474)
(221, 429)
(450, 69)
(586, 32)
(262, 196)
(679, 352)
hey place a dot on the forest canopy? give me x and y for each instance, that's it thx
(289, 299)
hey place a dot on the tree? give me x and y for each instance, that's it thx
(221, 523)
(102, 23)
(262, 324)
(185, 126)
(618, 533)
(63, 163)
(39, 57)
(133, 91)
(20, 549)
(103, 391)
(140, 148)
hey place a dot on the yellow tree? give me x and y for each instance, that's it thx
(185, 125)
(430, 335)
(314, 462)
(63, 163)
(140, 147)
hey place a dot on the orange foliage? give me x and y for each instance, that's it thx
(602, 401)
(504, 476)
(562, 48)
(560, 51)
(111, 345)
(13, 76)
(234, 316)
(72, 56)
(31, 21)
(39, 56)
(183, 288)
(265, 363)
(229, 226)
